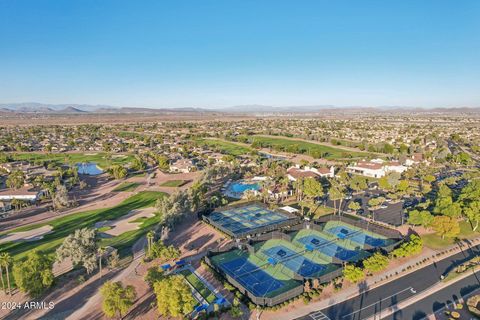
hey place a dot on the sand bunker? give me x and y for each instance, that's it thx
(125, 223)
(30, 235)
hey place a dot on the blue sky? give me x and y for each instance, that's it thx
(232, 52)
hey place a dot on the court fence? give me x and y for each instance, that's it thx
(249, 246)
(375, 228)
(292, 220)
(262, 301)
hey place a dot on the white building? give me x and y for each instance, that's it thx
(376, 168)
(25, 193)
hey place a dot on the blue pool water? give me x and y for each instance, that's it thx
(89, 168)
(240, 187)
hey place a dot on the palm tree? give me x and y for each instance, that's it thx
(101, 252)
(150, 236)
(336, 192)
(5, 261)
(1, 277)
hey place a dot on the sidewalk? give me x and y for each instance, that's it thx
(416, 263)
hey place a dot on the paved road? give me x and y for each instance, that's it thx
(439, 300)
(372, 301)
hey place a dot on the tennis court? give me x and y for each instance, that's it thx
(246, 218)
(329, 247)
(253, 278)
(362, 238)
(294, 261)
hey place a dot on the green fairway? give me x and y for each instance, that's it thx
(226, 147)
(100, 158)
(201, 288)
(66, 225)
(304, 147)
(126, 186)
(173, 183)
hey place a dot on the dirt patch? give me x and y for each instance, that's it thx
(126, 222)
(30, 235)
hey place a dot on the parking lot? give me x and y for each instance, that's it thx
(392, 213)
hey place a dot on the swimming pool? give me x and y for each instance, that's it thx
(237, 188)
(241, 186)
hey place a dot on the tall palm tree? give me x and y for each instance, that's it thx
(150, 236)
(6, 261)
(1, 277)
(101, 252)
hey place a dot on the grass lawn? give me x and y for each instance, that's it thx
(100, 158)
(322, 211)
(305, 147)
(103, 229)
(126, 186)
(201, 288)
(173, 183)
(434, 241)
(66, 225)
(226, 147)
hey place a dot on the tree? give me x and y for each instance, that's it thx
(159, 250)
(16, 179)
(354, 205)
(375, 203)
(150, 237)
(113, 260)
(138, 164)
(81, 248)
(1, 277)
(34, 274)
(60, 197)
(420, 218)
(118, 171)
(384, 184)
(472, 212)
(469, 199)
(353, 274)
(312, 188)
(446, 226)
(411, 247)
(444, 203)
(5, 262)
(117, 299)
(101, 252)
(358, 183)
(336, 192)
(153, 275)
(236, 311)
(174, 297)
(163, 163)
(377, 262)
(402, 186)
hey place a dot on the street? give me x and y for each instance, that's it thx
(372, 302)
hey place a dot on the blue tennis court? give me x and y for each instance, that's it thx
(251, 277)
(343, 232)
(294, 261)
(247, 218)
(329, 247)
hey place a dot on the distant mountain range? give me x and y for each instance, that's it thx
(34, 107)
(41, 108)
